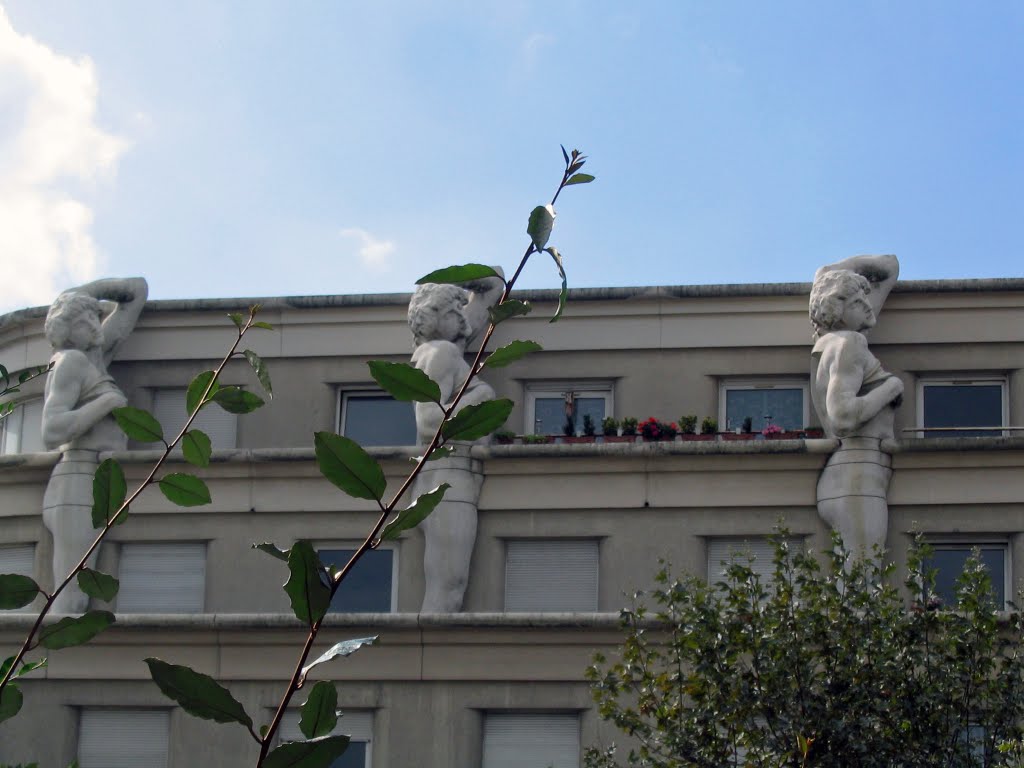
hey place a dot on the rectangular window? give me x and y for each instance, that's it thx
(551, 575)
(123, 738)
(376, 418)
(219, 425)
(22, 430)
(948, 560)
(531, 740)
(782, 403)
(358, 726)
(371, 585)
(550, 406)
(162, 578)
(722, 551)
(966, 402)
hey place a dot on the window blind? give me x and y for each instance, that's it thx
(723, 550)
(219, 425)
(162, 578)
(531, 741)
(123, 738)
(550, 575)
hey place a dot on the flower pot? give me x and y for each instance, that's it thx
(737, 435)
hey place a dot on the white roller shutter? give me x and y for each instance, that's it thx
(162, 578)
(531, 741)
(551, 575)
(123, 738)
(723, 550)
(219, 425)
(23, 429)
(19, 559)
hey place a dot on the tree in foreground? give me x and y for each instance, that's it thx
(809, 669)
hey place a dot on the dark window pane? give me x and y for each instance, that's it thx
(549, 414)
(784, 406)
(355, 755)
(379, 420)
(367, 588)
(963, 405)
(950, 562)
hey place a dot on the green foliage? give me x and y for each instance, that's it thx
(687, 424)
(579, 178)
(237, 400)
(318, 714)
(511, 352)
(415, 513)
(811, 668)
(194, 394)
(507, 309)
(184, 489)
(139, 425)
(339, 650)
(405, 382)
(196, 448)
(609, 426)
(11, 700)
(315, 753)
(71, 631)
(460, 274)
(708, 426)
(542, 219)
(16, 591)
(476, 421)
(588, 425)
(98, 584)
(310, 596)
(563, 294)
(198, 694)
(344, 462)
(272, 550)
(260, 369)
(109, 490)
(629, 426)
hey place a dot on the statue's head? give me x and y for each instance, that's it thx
(839, 301)
(436, 311)
(74, 322)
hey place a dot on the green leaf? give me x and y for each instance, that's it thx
(196, 388)
(511, 352)
(272, 550)
(508, 308)
(580, 178)
(237, 319)
(542, 219)
(31, 666)
(16, 591)
(415, 513)
(310, 597)
(198, 694)
(139, 425)
(98, 584)
(319, 713)
(263, 325)
(72, 630)
(342, 649)
(260, 369)
(109, 490)
(196, 447)
(185, 490)
(565, 155)
(476, 421)
(564, 293)
(10, 701)
(6, 375)
(405, 382)
(315, 753)
(237, 400)
(460, 274)
(348, 466)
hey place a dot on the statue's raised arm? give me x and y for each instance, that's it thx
(129, 296)
(881, 272)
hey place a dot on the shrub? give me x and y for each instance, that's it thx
(609, 426)
(688, 424)
(708, 426)
(629, 426)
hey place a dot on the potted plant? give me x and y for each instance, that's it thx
(812, 433)
(650, 429)
(688, 425)
(610, 426)
(504, 437)
(772, 432)
(588, 425)
(669, 430)
(629, 427)
(708, 429)
(536, 439)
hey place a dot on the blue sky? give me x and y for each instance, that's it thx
(257, 149)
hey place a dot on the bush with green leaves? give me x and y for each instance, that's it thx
(311, 585)
(814, 667)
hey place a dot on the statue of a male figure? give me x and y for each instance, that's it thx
(79, 397)
(443, 318)
(855, 398)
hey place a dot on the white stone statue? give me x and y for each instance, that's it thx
(443, 318)
(855, 398)
(79, 396)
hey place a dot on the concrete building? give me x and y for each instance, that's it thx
(565, 530)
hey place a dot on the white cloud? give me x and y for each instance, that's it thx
(49, 145)
(373, 252)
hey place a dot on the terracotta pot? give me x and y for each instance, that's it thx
(740, 436)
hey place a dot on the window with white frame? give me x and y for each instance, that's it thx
(169, 577)
(531, 740)
(551, 575)
(372, 417)
(18, 559)
(962, 401)
(22, 430)
(372, 584)
(948, 559)
(123, 738)
(785, 404)
(357, 725)
(550, 406)
(757, 552)
(219, 425)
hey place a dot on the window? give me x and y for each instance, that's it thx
(219, 425)
(967, 402)
(531, 740)
(550, 575)
(162, 578)
(548, 406)
(123, 738)
(358, 726)
(375, 418)
(722, 551)
(19, 559)
(949, 558)
(22, 431)
(370, 587)
(783, 403)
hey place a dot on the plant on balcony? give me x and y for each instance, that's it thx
(504, 437)
(772, 431)
(688, 424)
(609, 426)
(588, 425)
(650, 429)
(629, 426)
(709, 426)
